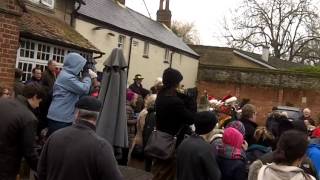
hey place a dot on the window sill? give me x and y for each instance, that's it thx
(145, 56)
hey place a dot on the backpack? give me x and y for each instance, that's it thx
(150, 124)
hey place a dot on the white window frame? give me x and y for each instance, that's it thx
(146, 47)
(45, 2)
(121, 41)
(22, 60)
(167, 55)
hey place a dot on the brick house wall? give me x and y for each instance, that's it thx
(261, 91)
(9, 38)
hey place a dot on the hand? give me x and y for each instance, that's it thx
(92, 74)
(245, 145)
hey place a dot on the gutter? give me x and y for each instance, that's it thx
(254, 60)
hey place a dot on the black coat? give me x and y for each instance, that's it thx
(232, 169)
(196, 160)
(17, 135)
(250, 129)
(77, 153)
(173, 115)
(139, 90)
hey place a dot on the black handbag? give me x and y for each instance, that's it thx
(161, 145)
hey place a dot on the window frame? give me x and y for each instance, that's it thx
(121, 41)
(166, 56)
(146, 47)
(33, 61)
(48, 4)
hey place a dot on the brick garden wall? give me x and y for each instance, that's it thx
(9, 38)
(264, 88)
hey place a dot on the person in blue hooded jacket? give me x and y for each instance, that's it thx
(313, 151)
(67, 90)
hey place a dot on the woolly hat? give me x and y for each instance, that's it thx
(89, 103)
(171, 77)
(130, 95)
(205, 122)
(232, 137)
(238, 125)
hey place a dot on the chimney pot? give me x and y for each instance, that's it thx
(164, 15)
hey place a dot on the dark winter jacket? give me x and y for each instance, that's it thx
(172, 115)
(196, 160)
(77, 153)
(34, 80)
(139, 90)
(232, 169)
(250, 129)
(17, 135)
(48, 79)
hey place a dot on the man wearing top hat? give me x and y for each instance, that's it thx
(137, 87)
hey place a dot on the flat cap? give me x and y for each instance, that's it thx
(89, 103)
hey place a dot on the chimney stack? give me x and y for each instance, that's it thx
(164, 14)
(265, 53)
(123, 2)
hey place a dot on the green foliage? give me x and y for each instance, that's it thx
(307, 69)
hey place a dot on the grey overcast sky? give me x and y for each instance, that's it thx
(207, 15)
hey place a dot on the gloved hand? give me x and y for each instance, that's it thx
(92, 74)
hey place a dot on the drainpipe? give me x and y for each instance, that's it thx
(171, 57)
(73, 14)
(129, 57)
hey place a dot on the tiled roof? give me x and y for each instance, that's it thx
(47, 28)
(111, 13)
(272, 61)
(212, 55)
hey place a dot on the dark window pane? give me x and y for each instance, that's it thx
(28, 45)
(30, 68)
(22, 44)
(20, 65)
(32, 46)
(31, 54)
(47, 56)
(42, 56)
(22, 52)
(39, 47)
(27, 53)
(24, 67)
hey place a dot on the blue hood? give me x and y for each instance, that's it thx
(74, 63)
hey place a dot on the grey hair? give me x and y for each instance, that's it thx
(86, 114)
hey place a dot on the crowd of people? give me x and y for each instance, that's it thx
(49, 123)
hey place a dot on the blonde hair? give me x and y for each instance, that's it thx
(262, 133)
(150, 101)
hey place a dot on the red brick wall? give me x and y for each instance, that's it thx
(9, 38)
(265, 97)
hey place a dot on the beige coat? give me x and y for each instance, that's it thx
(272, 171)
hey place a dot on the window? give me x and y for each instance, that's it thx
(121, 41)
(167, 56)
(49, 3)
(33, 54)
(146, 49)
